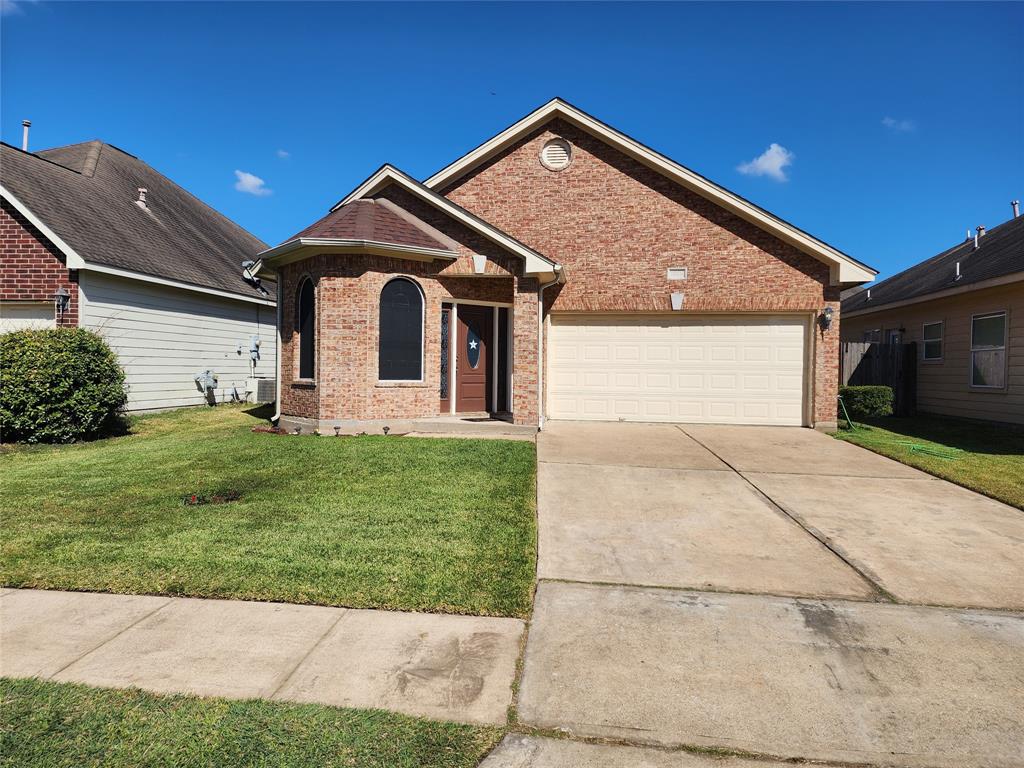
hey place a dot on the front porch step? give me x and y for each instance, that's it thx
(454, 425)
(435, 425)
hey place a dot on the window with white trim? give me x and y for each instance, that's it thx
(988, 350)
(931, 337)
(873, 336)
(400, 354)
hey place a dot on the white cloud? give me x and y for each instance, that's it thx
(12, 7)
(772, 163)
(250, 184)
(284, 154)
(899, 126)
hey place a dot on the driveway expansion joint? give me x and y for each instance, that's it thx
(816, 535)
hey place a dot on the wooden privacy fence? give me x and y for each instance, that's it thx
(891, 365)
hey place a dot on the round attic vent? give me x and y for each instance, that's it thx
(556, 154)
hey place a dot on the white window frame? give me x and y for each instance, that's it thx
(941, 340)
(423, 334)
(1006, 358)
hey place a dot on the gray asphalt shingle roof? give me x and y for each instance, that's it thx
(86, 194)
(372, 220)
(1000, 252)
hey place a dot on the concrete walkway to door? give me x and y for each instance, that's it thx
(774, 591)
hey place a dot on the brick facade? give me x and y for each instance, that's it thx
(31, 268)
(617, 226)
(346, 385)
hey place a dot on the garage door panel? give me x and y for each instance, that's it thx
(729, 369)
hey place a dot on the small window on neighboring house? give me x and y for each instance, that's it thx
(306, 324)
(932, 338)
(400, 356)
(873, 336)
(988, 350)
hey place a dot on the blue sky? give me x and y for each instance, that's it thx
(886, 130)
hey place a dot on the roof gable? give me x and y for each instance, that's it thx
(843, 268)
(535, 263)
(84, 196)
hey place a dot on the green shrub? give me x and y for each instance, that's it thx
(58, 386)
(867, 401)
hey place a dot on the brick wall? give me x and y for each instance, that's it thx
(617, 226)
(348, 301)
(31, 268)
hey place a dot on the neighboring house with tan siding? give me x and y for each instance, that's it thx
(964, 308)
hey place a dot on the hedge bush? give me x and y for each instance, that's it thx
(867, 401)
(58, 386)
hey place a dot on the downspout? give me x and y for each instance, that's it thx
(277, 353)
(559, 277)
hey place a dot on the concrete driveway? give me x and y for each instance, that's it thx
(774, 591)
(778, 510)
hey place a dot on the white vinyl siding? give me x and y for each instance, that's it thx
(25, 315)
(738, 369)
(164, 336)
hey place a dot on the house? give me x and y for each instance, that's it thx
(91, 236)
(559, 270)
(964, 310)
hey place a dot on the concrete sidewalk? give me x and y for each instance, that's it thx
(458, 668)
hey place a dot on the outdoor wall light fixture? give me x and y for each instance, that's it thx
(61, 300)
(825, 318)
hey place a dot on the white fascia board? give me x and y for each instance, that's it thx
(843, 269)
(130, 275)
(994, 282)
(535, 264)
(293, 250)
(74, 261)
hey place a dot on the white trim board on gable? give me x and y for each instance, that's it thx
(842, 268)
(535, 263)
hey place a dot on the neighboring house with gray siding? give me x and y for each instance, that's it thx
(91, 236)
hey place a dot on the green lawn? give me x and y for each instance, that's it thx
(52, 725)
(983, 457)
(385, 522)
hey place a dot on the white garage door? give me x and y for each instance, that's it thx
(742, 369)
(19, 315)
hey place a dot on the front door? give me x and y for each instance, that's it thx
(472, 372)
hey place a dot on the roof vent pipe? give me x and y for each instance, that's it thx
(957, 271)
(1015, 204)
(25, 125)
(869, 294)
(976, 240)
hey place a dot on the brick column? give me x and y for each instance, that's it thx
(826, 368)
(524, 352)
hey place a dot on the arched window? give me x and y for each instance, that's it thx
(400, 357)
(306, 324)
